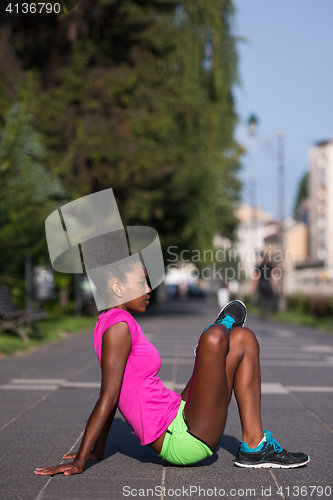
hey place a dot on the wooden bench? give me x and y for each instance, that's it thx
(14, 319)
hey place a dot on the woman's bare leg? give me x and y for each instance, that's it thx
(224, 361)
(243, 374)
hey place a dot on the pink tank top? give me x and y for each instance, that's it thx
(145, 403)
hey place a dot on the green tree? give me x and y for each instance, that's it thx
(28, 191)
(302, 193)
(137, 95)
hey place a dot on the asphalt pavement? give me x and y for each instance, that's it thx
(48, 394)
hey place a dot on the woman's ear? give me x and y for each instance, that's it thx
(116, 288)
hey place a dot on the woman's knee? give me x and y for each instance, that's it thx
(245, 337)
(216, 337)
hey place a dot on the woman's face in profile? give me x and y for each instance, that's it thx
(135, 291)
(136, 285)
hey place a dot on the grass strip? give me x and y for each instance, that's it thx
(297, 318)
(50, 329)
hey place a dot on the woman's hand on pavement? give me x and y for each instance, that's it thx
(66, 469)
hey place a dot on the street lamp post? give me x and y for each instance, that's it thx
(282, 298)
(252, 124)
(254, 214)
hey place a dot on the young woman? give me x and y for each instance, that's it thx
(181, 429)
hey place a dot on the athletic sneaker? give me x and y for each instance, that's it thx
(270, 454)
(233, 314)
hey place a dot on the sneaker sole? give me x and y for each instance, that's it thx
(271, 465)
(237, 300)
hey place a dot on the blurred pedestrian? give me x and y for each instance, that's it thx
(264, 287)
(223, 295)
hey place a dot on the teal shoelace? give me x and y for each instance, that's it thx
(227, 321)
(269, 439)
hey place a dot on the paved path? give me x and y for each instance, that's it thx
(47, 396)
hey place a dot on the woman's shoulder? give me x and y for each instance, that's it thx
(113, 316)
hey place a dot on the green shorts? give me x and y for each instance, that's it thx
(180, 447)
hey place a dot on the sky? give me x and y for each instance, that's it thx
(286, 72)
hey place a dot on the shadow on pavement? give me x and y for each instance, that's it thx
(122, 440)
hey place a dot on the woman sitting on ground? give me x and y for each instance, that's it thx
(182, 429)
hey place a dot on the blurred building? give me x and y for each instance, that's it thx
(321, 202)
(295, 245)
(255, 226)
(312, 272)
(307, 241)
(259, 232)
(295, 241)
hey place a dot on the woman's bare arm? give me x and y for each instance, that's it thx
(97, 453)
(98, 449)
(116, 347)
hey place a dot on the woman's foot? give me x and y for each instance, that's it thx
(269, 454)
(231, 315)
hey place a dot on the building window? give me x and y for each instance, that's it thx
(321, 165)
(321, 192)
(321, 222)
(322, 237)
(321, 207)
(321, 253)
(322, 161)
(322, 177)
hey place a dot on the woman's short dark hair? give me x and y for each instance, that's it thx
(106, 257)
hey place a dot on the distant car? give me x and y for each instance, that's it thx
(172, 291)
(194, 291)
